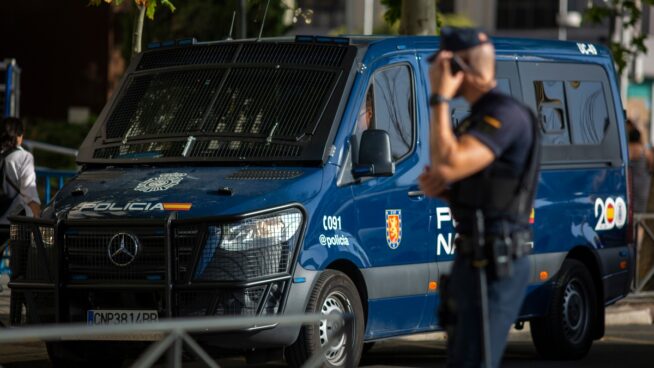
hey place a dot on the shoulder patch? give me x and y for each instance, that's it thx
(492, 121)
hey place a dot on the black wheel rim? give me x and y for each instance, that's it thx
(576, 311)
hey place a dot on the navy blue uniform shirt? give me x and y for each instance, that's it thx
(504, 125)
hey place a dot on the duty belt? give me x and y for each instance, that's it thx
(520, 244)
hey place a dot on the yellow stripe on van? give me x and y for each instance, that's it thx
(177, 206)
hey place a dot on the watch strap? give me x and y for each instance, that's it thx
(436, 99)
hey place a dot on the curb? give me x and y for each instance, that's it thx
(628, 315)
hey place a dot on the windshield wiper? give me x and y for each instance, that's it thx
(272, 131)
(189, 144)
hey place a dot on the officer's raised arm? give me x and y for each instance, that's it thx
(455, 158)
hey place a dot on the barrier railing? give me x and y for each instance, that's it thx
(640, 222)
(45, 178)
(176, 334)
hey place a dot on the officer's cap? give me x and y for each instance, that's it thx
(457, 39)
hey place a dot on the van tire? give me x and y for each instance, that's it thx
(367, 346)
(566, 332)
(333, 292)
(74, 354)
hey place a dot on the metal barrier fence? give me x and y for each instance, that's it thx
(176, 335)
(45, 177)
(640, 222)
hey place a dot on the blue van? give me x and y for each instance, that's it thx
(278, 176)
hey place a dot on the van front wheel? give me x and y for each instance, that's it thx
(334, 292)
(566, 332)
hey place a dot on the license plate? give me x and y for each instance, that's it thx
(119, 317)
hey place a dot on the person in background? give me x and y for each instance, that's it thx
(19, 178)
(640, 160)
(366, 120)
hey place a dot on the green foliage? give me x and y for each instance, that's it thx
(60, 133)
(394, 11)
(209, 20)
(150, 5)
(393, 14)
(206, 20)
(628, 11)
(598, 14)
(456, 20)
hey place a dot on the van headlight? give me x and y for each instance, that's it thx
(47, 237)
(251, 248)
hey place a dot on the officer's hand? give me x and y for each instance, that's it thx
(440, 76)
(431, 183)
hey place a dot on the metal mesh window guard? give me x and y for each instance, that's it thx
(163, 103)
(250, 101)
(188, 55)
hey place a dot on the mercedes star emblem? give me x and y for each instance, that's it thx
(122, 249)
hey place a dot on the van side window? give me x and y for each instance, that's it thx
(393, 107)
(587, 105)
(580, 101)
(550, 106)
(366, 116)
(577, 117)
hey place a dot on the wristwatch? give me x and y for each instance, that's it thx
(436, 99)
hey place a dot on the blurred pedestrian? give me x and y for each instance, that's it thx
(640, 161)
(18, 193)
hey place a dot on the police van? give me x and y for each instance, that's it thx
(279, 176)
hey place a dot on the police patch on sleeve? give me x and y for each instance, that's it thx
(488, 124)
(489, 120)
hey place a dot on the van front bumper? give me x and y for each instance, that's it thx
(62, 270)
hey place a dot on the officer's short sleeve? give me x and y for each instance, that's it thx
(499, 128)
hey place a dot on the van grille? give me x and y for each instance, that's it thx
(87, 251)
(264, 175)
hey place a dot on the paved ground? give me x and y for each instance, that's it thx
(629, 342)
(624, 347)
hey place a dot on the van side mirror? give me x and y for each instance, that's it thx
(375, 157)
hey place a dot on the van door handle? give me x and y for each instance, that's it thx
(416, 194)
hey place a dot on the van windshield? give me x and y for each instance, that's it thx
(251, 102)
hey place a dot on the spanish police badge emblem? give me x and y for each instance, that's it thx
(393, 228)
(160, 183)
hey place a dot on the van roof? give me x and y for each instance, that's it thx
(503, 45)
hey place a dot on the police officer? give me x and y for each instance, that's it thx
(487, 168)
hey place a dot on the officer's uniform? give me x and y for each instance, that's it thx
(503, 192)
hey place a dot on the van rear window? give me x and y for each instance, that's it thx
(256, 102)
